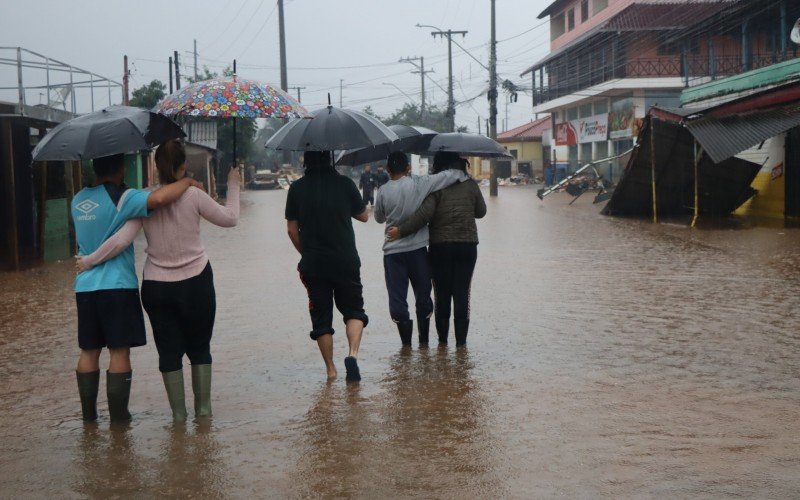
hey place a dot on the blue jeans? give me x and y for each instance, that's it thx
(399, 269)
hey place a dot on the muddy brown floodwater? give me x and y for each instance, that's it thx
(607, 357)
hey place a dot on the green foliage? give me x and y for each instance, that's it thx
(148, 95)
(435, 118)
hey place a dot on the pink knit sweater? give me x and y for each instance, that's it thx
(174, 250)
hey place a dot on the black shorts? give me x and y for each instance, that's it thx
(345, 290)
(110, 318)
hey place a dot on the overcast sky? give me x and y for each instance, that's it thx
(358, 41)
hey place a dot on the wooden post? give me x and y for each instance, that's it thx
(13, 239)
(653, 166)
(42, 207)
(697, 155)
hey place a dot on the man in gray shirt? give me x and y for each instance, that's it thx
(406, 259)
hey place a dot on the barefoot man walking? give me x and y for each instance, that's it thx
(319, 211)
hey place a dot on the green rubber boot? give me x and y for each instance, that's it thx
(118, 390)
(88, 385)
(201, 385)
(173, 383)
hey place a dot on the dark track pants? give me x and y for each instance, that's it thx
(452, 265)
(182, 316)
(399, 269)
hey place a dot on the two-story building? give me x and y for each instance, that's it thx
(611, 60)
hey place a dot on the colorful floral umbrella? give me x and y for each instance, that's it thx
(231, 97)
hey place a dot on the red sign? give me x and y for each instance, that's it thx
(777, 171)
(565, 134)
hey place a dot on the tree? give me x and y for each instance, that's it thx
(435, 118)
(148, 95)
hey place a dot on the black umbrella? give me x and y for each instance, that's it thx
(411, 138)
(331, 129)
(467, 145)
(114, 130)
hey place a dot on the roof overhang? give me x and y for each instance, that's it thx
(36, 116)
(609, 88)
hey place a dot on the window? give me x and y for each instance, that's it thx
(585, 111)
(599, 5)
(586, 153)
(667, 46)
(513, 153)
(557, 26)
(601, 107)
(571, 20)
(584, 10)
(572, 114)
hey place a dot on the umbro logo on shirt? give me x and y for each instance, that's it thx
(87, 206)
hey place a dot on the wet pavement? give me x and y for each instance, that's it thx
(607, 357)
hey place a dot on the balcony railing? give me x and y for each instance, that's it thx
(690, 69)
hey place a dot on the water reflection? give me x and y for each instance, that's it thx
(190, 464)
(109, 463)
(436, 418)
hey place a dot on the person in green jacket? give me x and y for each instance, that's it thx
(450, 214)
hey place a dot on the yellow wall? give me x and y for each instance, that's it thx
(770, 200)
(526, 151)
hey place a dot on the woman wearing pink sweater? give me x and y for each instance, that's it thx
(178, 284)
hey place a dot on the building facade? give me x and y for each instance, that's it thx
(612, 60)
(524, 143)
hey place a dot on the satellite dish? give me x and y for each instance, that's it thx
(796, 32)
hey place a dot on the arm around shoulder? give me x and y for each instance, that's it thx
(170, 193)
(114, 245)
(421, 217)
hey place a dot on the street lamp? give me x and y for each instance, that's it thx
(410, 99)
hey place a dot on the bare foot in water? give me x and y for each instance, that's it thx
(331, 373)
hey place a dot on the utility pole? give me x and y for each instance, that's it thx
(286, 157)
(421, 72)
(170, 75)
(451, 103)
(125, 77)
(195, 60)
(298, 92)
(177, 72)
(493, 103)
(282, 35)
(341, 86)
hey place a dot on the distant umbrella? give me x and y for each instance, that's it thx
(467, 145)
(114, 130)
(411, 138)
(331, 129)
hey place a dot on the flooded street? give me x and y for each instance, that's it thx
(607, 357)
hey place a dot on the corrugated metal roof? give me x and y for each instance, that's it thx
(724, 137)
(203, 133)
(529, 131)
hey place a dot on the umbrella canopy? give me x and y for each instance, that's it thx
(114, 130)
(332, 129)
(411, 138)
(467, 145)
(231, 97)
